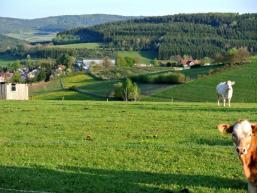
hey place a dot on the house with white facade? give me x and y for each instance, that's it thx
(13, 91)
(86, 63)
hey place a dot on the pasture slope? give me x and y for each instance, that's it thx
(60, 89)
(83, 146)
(203, 89)
(146, 57)
(199, 90)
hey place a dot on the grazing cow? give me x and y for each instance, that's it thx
(225, 91)
(244, 136)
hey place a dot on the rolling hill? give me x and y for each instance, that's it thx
(203, 89)
(29, 28)
(81, 86)
(197, 35)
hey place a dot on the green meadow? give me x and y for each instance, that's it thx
(5, 61)
(82, 146)
(146, 57)
(79, 45)
(203, 89)
(32, 36)
(69, 139)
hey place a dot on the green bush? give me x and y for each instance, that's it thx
(41, 75)
(127, 91)
(117, 90)
(16, 78)
(164, 78)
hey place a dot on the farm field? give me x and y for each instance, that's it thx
(4, 61)
(80, 45)
(59, 89)
(99, 89)
(194, 73)
(33, 36)
(90, 89)
(119, 147)
(146, 57)
(203, 89)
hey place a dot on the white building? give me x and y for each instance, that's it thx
(86, 63)
(11, 91)
(96, 61)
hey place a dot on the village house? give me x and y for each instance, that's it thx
(188, 63)
(5, 76)
(86, 63)
(143, 65)
(12, 91)
(95, 61)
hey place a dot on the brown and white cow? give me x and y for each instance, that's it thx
(244, 136)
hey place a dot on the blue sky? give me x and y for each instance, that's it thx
(43, 8)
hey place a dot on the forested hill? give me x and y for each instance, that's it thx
(57, 23)
(198, 35)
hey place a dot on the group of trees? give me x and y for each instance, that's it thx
(126, 61)
(51, 52)
(198, 35)
(233, 56)
(161, 78)
(66, 60)
(126, 90)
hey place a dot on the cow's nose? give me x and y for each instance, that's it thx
(241, 151)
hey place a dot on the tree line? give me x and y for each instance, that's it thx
(51, 52)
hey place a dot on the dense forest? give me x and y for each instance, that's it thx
(198, 35)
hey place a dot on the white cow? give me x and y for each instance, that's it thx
(225, 91)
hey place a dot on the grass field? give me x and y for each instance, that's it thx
(81, 45)
(33, 36)
(96, 89)
(5, 61)
(80, 147)
(146, 57)
(203, 89)
(90, 89)
(194, 73)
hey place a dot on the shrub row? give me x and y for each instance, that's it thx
(163, 78)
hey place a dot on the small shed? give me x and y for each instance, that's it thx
(13, 91)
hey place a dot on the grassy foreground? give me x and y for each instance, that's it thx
(78, 146)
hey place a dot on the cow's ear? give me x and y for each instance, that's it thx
(254, 128)
(225, 128)
(232, 83)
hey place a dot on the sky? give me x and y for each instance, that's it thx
(29, 9)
